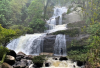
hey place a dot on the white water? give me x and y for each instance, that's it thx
(29, 44)
(61, 64)
(57, 28)
(58, 11)
(33, 43)
(60, 42)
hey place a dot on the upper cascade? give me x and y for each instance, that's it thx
(53, 23)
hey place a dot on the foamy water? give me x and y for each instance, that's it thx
(61, 64)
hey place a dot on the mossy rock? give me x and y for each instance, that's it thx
(38, 60)
(71, 32)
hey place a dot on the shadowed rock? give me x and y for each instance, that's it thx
(9, 59)
(62, 58)
(12, 53)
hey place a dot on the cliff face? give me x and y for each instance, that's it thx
(49, 41)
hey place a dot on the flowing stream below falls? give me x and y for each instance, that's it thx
(61, 64)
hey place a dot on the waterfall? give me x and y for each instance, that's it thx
(32, 44)
(52, 22)
(29, 44)
(60, 42)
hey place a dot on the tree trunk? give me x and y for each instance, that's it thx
(45, 8)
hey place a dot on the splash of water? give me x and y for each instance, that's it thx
(61, 64)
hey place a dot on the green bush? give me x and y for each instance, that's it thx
(37, 24)
(3, 50)
(23, 29)
(29, 30)
(38, 59)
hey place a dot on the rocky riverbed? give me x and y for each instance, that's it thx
(21, 60)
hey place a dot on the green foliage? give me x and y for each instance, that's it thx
(78, 54)
(37, 24)
(3, 50)
(7, 34)
(79, 50)
(35, 16)
(5, 12)
(94, 29)
(80, 57)
(23, 30)
(38, 59)
(18, 8)
(35, 9)
(69, 9)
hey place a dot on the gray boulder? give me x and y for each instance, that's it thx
(6, 65)
(9, 59)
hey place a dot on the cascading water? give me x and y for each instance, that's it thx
(52, 23)
(60, 42)
(33, 43)
(29, 44)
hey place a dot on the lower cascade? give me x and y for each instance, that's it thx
(60, 43)
(29, 44)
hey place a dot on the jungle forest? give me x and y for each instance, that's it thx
(49, 33)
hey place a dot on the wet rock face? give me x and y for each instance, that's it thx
(49, 43)
(62, 58)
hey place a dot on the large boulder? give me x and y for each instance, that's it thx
(9, 59)
(12, 53)
(62, 58)
(29, 57)
(5, 65)
(55, 58)
(47, 64)
(29, 62)
(38, 64)
(21, 53)
(19, 57)
(21, 64)
(80, 63)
